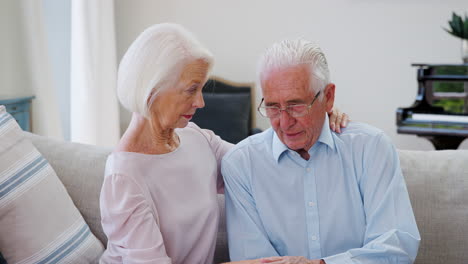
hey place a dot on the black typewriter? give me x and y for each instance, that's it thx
(440, 112)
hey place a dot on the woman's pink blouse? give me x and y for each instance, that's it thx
(163, 208)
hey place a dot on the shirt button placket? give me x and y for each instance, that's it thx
(312, 214)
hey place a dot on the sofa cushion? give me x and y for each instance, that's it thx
(38, 220)
(80, 168)
(438, 187)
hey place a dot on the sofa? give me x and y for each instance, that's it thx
(437, 183)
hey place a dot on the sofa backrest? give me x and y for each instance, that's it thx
(437, 183)
(81, 169)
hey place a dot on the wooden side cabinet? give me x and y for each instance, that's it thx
(20, 109)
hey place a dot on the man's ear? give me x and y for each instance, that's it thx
(329, 96)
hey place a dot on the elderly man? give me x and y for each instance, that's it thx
(304, 194)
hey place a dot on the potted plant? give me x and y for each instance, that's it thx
(459, 29)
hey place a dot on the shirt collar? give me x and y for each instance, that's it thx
(278, 147)
(325, 137)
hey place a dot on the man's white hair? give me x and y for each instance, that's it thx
(289, 53)
(154, 62)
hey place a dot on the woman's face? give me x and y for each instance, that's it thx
(174, 107)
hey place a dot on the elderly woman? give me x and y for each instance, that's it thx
(158, 199)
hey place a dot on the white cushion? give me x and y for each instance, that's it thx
(38, 220)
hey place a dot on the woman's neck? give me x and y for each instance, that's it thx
(145, 137)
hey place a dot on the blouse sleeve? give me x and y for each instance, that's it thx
(131, 228)
(219, 147)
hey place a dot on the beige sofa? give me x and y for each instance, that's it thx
(437, 182)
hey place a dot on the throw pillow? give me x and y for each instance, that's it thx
(38, 220)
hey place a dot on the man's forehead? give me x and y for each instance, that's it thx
(292, 90)
(286, 100)
(289, 76)
(300, 69)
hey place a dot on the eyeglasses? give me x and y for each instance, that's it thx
(296, 110)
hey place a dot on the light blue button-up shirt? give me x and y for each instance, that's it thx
(347, 204)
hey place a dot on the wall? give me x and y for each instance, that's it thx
(15, 71)
(370, 44)
(13, 66)
(57, 24)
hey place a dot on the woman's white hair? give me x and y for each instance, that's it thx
(288, 53)
(154, 62)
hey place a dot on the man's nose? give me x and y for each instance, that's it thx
(286, 120)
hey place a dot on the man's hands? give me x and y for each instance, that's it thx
(291, 260)
(280, 260)
(254, 261)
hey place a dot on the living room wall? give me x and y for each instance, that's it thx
(369, 44)
(16, 78)
(13, 81)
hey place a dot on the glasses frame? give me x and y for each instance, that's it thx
(286, 108)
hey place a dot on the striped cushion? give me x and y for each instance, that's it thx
(38, 221)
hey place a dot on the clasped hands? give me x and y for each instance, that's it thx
(280, 260)
(290, 260)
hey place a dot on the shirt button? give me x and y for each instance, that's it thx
(309, 169)
(313, 238)
(311, 204)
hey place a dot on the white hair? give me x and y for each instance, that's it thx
(289, 53)
(154, 62)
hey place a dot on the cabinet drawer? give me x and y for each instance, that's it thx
(17, 107)
(20, 109)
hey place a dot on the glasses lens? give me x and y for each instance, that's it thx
(297, 110)
(272, 111)
(262, 111)
(269, 112)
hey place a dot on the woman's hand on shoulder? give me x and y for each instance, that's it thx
(338, 119)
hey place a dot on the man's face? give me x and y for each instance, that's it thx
(289, 86)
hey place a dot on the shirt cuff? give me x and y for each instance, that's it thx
(342, 258)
